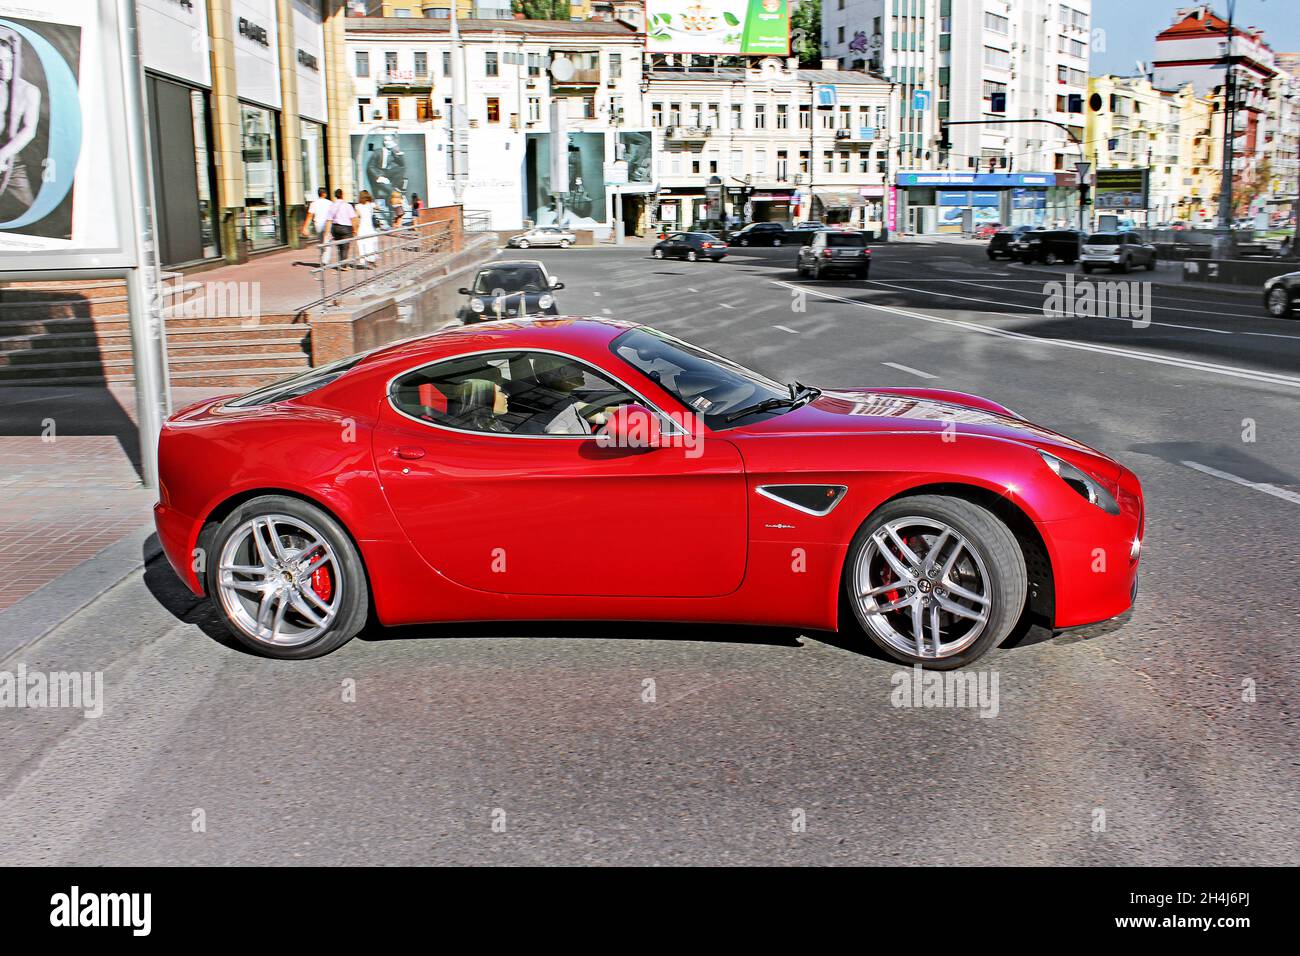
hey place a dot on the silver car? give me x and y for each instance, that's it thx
(1117, 251)
(543, 236)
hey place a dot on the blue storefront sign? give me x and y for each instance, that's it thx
(968, 180)
(947, 197)
(826, 96)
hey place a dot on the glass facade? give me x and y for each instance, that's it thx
(203, 175)
(314, 170)
(263, 206)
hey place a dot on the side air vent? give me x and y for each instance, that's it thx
(816, 500)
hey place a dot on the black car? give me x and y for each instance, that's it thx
(510, 289)
(1049, 246)
(1000, 245)
(831, 251)
(762, 234)
(1282, 294)
(690, 246)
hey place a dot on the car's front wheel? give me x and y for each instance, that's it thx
(286, 579)
(935, 580)
(522, 243)
(1278, 303)
(658, 253)
(564, 243)
(1050, 258)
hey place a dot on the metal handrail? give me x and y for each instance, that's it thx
(396, 250)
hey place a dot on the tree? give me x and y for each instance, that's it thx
(541, 9)
(806, 33)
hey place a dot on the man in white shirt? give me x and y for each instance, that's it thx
(340, 219)
(317, 216)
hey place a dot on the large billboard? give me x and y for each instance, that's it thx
(580, 206)
(63, 168)
(724, 27)
(386, 162)
(1120, 189)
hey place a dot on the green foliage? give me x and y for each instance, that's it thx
(541, 9)
(806, 33)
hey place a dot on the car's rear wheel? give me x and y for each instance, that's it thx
(1050, 258)
(1087, 269)
(287, 580)
(564, 243)
(1123, 266)
(691, 255)
(935, 580)
(1278, 303)
(776, 242)
(744, 242)
(658, 253)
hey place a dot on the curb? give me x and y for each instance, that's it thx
(52, 604)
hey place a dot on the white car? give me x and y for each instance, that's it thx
(543, 236)
(1116, 251)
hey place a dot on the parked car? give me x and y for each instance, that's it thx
(510, 289)
(988, 230)
(762, 234)
(690, 246)
(1282, 294)
(543, 236)
(1049, 246)
(309, 537)
(834, 251)
(1116, 251)
(1000, 244)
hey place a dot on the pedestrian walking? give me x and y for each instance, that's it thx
(397, 210)
(341, 219)
(317, 217)
(367, 237)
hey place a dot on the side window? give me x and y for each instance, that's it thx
(512, 393)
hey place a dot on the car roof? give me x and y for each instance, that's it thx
(573, 334)
(498, 263)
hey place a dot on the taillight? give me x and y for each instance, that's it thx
(827, 254)
(708, 245)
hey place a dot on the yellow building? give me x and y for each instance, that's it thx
(1132, 124)
(438, 9)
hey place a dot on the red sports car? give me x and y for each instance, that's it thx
(579, 468)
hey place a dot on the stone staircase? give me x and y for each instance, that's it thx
(78, 333)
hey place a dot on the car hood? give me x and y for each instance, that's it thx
(865, 410)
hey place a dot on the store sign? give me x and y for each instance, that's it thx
(723, 27)
(174, 39)
(309, 38)
(65, 192)
(943, 179)
(825, 95)
(1120, 189)
(257, 61)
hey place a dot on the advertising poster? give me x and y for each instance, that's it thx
(584, 205)
(725, 27)
(1120, 189)
(58, 191)
(634, 148)
(385, 162)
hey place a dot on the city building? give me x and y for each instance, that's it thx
(1282, 138)
(950, 60)
(431, 9)
(241, 98)
(768, 142)
(520, 76)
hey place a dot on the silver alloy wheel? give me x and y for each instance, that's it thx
(922, 588)
(1278, 305)
(523, 243)
(658, 253)
(265, 580)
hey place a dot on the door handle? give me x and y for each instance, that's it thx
(409, 452)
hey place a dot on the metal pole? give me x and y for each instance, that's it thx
(148, 339)
(458, 170)
(1229, 128)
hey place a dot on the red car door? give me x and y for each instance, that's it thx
(538, 514)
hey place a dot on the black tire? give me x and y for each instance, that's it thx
(354, 602)
(658, 253)
(1050, 258)
(1151, 266)
(776, 242)
(1002, 556)
(522, 244)
(1278, 303)
(991, 255)
(564, 243)
(692, 255)
(744, 242)
(1087, 269)
(864, 274)
(1123, 267)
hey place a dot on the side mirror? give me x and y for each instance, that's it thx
(464, 291)
(631, 426)
(557, 285)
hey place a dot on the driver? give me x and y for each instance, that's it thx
(558, 379)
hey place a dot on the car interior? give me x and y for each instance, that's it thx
(522, 393)
(508, 279)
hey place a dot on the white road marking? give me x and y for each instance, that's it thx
(1267, 378)
(1263, 486)
(909, 370)
(595, 293)
(607, 311)
(784, 329)
(723, 305)
(691, 289)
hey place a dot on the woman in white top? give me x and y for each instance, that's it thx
(367, 238)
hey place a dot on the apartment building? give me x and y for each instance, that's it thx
(1282, 137)
(514, 72)
(948, 59)
(768, 142)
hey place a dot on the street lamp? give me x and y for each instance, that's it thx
(1083, 168)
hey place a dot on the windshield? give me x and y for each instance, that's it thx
(1103, 239)
(503, 280)
(296, 385)
(708, 384)
(845, 239)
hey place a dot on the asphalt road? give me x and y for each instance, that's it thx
(524, 744)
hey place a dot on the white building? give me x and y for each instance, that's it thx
(768, 143)
(948, 58)
(513, 70)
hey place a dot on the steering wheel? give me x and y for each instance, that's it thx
(589, 412)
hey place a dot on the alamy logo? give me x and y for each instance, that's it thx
(78, 690)
(75, 909)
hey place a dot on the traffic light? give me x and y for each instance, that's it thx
(1085, 194)
(998, 102)
(945, 143)
(1074, 103)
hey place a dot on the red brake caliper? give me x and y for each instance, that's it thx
(321, 581)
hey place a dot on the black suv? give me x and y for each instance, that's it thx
(1000, 245)
(1047, 245)
(834, 251)
(761, 234)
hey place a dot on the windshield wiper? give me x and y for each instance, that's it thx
(799, 395)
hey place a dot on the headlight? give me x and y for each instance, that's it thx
(1083, 483)
(545, 302)
(476, 305)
